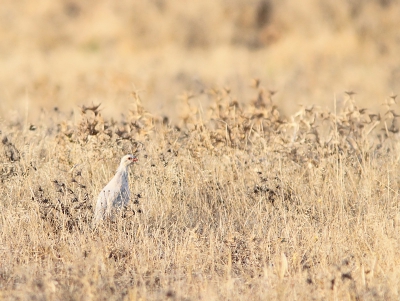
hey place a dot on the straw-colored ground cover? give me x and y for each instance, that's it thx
(231, 203)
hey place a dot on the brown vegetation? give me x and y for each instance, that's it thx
(234, 202)
(240, 193)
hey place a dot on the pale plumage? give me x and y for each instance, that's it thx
(115, 195)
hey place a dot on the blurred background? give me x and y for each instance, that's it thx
(67, 53)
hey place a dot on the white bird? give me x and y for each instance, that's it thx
(115, 195)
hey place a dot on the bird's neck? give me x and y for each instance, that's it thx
(123, 171)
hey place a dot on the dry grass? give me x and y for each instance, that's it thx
(239, 193)
(231, 203)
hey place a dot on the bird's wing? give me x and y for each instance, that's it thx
(107, 196)
(115, 194)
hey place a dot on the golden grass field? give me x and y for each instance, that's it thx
(239, 193)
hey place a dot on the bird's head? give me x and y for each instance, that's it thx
(128, 160)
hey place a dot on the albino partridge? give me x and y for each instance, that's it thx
(116, 193)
